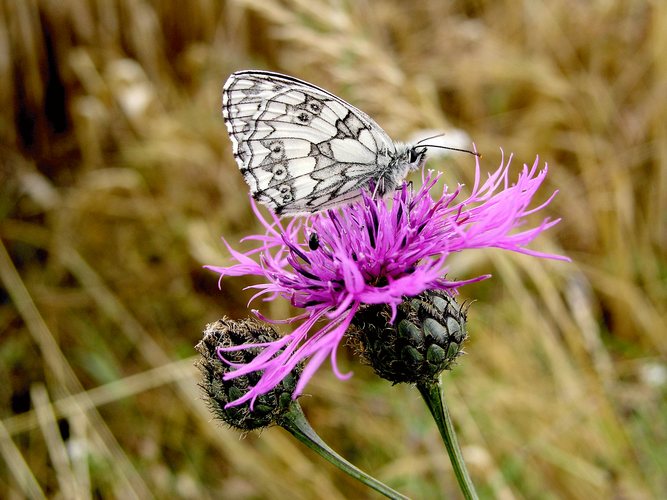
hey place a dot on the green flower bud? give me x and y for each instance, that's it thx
(268, 407)
(425, 338)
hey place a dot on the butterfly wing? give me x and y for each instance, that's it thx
(300, 148)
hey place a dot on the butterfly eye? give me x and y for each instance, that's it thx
(415, 156)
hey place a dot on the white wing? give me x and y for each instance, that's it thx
(300, 148)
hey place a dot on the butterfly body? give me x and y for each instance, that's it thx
(301, 149)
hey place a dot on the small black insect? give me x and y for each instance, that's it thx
(314, 242)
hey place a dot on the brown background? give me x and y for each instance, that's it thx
(118, 180)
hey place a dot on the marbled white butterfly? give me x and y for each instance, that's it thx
(301, 149)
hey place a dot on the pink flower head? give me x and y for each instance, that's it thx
(374, 251)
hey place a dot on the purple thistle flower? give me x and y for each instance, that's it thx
(374, 251)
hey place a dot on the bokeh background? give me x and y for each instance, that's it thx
(117, 181)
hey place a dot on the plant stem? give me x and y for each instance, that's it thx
(432, 394)
(295, 422)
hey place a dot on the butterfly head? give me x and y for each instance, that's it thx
(416, 157)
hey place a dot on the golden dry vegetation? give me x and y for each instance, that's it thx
(117, 180)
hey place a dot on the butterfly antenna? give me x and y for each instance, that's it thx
(474, 153)
(429, 138)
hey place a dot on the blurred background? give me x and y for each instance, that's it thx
(117, 181)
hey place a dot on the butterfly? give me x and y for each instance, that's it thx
(301, 149)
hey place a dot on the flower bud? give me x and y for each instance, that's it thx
(425, 338)
(268, 407)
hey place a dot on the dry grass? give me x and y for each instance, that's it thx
(117, 180)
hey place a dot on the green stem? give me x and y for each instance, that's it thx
(294, 421)
(432, 394)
